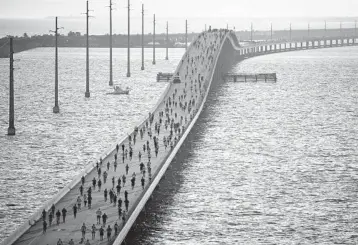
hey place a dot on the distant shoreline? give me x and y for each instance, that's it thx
(77, 40)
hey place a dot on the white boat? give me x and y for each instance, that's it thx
(119, 90)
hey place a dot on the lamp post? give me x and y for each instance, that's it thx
(142, 68)
(128, 47)
(167, 43)
(153, 40)
(56, 108)
(186, 34)
(110, 45)
(11, 130)
(87, 93)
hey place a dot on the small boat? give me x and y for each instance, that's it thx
(119, 90)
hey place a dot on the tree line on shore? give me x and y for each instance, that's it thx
(76, 39)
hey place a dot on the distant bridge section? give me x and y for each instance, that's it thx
(260, 48)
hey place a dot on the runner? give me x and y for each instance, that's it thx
(74, 210)
(81, 190)
(50, 217)
(99, 215)
(133, 182)
(118, 187)
(127, 169)
(104, 219)
(143, 181)
(44, 227)
(119, 202)
(124, 179)
(99, 184)
(94, 182)
(93, 232)
(105, 176)
(105, 195)
(101, 233)
(85, 200)
(79, 203)
(89, 201)
(58, 216)
(109, 232)
(83, 230)
(126, 202)
(116, 229)
(64, 212)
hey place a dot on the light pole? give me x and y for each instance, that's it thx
(56, 108)
(128, 48)
(251, 31)
(325, 28)
(153, 40)
(166, 57)
(11, 130)
(110, 45)
(87, 93)
(142, 68)
(186, 34)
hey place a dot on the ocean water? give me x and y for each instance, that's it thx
(50, 149)
(267, 163)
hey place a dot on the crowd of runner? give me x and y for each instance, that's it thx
(158, 134)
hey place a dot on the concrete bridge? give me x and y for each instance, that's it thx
(294, 45)
(201, 68)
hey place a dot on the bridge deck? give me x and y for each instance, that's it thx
(188, 91)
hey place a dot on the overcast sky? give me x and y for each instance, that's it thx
(185, 8)
(237, 13)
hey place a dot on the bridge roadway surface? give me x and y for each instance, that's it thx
(202, 51)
